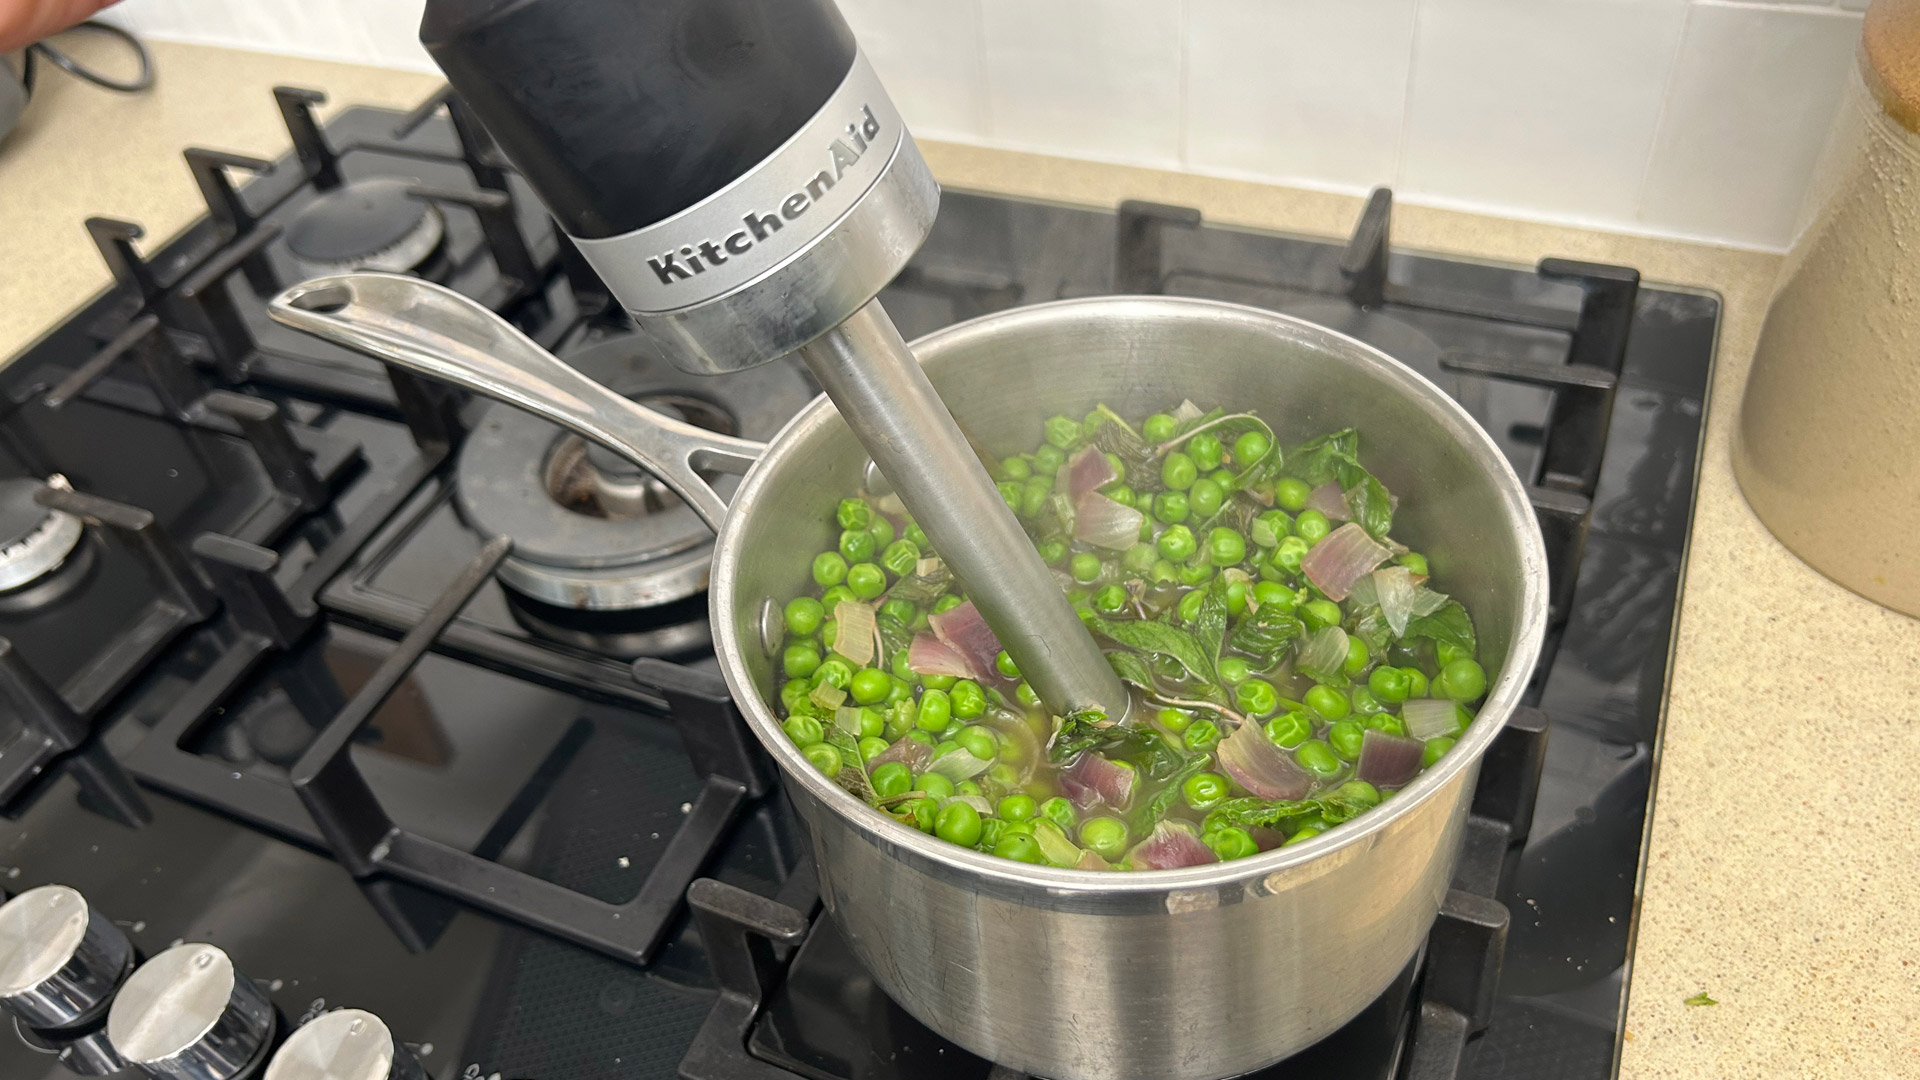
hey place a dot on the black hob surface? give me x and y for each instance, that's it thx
(284, 697)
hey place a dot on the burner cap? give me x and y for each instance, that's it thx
(34, 540)
(590, 530)
(367, 225)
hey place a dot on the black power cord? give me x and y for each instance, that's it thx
(139, 82)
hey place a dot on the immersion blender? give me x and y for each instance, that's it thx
(736, 174)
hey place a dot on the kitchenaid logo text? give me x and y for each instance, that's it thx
(844, 153)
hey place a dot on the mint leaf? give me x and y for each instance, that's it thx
(1266, 634)
(1149, 814)
(1700, 998)
(1249, 813)
(1451, 625)
(1367, 497)
(1210, 624)
(1131, 669)
(1163, 640)
(1317, 461)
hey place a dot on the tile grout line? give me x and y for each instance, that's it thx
(1183, 152)
(1660, 118)
(1398, 170)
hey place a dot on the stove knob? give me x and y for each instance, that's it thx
(59, 959)
(187, 1014)
(346, 1044)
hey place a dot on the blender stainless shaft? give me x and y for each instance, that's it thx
(878, 386)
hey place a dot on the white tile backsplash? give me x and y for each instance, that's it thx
(1698, 118)
(1102, 78)
(1548, 106)
(1753, 96)
(928, 52)
(1302, 89)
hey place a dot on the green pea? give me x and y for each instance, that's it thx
(794, 691)
(1085, 567)
(1312, 526)
(1435, 749)
(958, 823)
(923, 738)
(1147, 528)
(1171, 507)
(1015, 468)
(938, 682)
(967, 699)
(1016, 808)
(1205, 450)
(1204, 791)
(1331, 704)
(901, 557)
(1232, 843)
(1025, 695)
(969, 788)
(853, 514)
(1389, 684)
(1060, 812)
(1270, 528)
(1250, 447)
(1319, 759)
(1178, 472)
(1105, 837)
(1288, 553)
(1292, 494)
(1003, 663)
(799, 660)
(1387, 722)
(1357, 656)
(1256, 697)
(1051, 551)
(1226, 547)
(824, 757)
(1009, 493)
(1202, 736)
(1303, 834)
(1047, 460)
(1233, 670)
(1290, 729)
(991, 829)
(978, 741)
(936, 711)
(1461, 680)
(869, 686)
(1111, 599)
(935, 785)
(1362, 699)
(1447, 653)
(1003, 775)
(834, 672)
(897, 664)
(1189, 607)
(1358, 791)
(901, 718)
(1159, 427)
(1033, 494)
(1416, 683)
(1274, 594)
(918, 536)
(1345, 737)
(804, 730)
(1164, 572)
(1064, 432)
(803, 615)
(1221, 477)
(1138, 559)
(830, 632)
(829, 569)
(866, 580)
(1320, 613)
(1237, 593)
(1174, 721)
(891, 779)
(1415, 562)
(1018, 847)
(1176, 544)
(833, 597)
(872, 747)
(881, 530)
(1197, 571)
(918, 813)
(1205, 498)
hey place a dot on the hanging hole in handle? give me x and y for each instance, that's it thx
(324, 300)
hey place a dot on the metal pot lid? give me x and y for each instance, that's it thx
(589, 528)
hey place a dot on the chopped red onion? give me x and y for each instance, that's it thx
(1323, 653)
(1169, 848)
(1187, 412)
(1336, 562)
(853, 631)
(966, 632)
(1268, 839)
(1090, 861)
(1388, 760)
(958, 764)
(980, 805)
(1425, 600)
(912, 753)
(1254, 763)
(1330, 501)
(1084, 473)
(1092, 779)
(1430, 718)
(928, 655)
(1393, 585)
(1104, 523)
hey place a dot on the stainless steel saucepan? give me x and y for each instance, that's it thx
(1199, 973)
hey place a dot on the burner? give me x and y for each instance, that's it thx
(590, 530)
(367, 225)
(676, 628)
(34, 540)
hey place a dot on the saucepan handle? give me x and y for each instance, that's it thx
(437, 332)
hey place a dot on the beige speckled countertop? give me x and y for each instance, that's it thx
(1793, 902)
